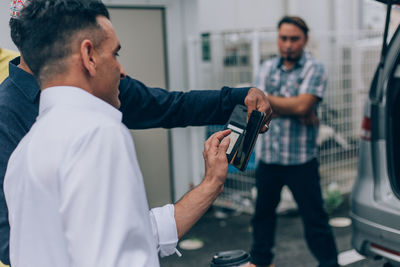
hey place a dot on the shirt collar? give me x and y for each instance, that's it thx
(299, 64)
(76, 97)
(24, 81)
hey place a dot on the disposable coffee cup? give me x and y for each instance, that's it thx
(232, 258)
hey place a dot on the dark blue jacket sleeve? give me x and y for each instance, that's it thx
(144, 107)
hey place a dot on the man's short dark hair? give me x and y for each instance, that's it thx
(297, 21)
(47, 29)
(15, 27)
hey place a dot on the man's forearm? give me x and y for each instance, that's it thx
(300, 105)
(194, 204)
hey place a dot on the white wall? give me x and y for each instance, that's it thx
(226, 15)
(375, 14)
(5, 41)
(221, 15)
(316, 13)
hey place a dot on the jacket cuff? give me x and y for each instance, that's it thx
(237, 95)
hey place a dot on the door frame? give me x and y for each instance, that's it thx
(166, 74)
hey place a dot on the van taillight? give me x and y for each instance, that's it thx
(366, 129)
(385, 251)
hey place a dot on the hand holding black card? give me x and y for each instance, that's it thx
(243, 136)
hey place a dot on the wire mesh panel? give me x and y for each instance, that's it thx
(350, 61)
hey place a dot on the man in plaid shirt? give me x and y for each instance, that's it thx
(294, 83)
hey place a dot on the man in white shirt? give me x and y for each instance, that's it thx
(73, 186)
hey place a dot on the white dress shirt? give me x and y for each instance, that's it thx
(75, 192)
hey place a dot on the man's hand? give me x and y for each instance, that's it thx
(216, 162)
(257, 100)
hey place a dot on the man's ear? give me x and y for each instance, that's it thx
(88, 55)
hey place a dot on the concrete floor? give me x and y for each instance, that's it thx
(234, 232)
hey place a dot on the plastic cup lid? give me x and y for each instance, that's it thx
(230, 258)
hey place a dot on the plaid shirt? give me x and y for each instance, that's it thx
(288, 141)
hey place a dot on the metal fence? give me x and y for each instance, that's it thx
(233, 58)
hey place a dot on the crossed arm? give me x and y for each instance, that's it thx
(301, 106)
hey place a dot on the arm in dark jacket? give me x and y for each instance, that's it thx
(145, 107)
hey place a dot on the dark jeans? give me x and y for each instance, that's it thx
(303, 182)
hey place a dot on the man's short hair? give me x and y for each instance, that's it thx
(297, 21)
(15, 27)
(47, 29)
